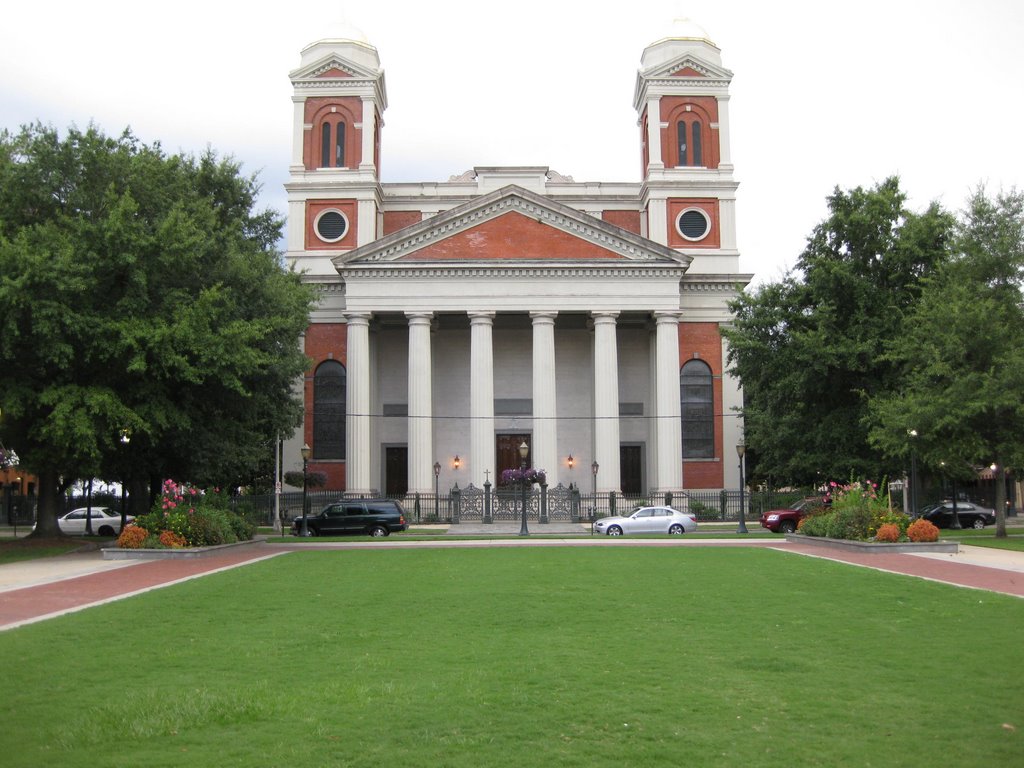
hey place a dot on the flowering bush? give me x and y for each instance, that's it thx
(172, 540)
(888, 532)
(857, 512)
(528, 476)
(187, 516)
(922, 530)
(132, 537)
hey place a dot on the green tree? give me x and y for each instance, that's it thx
(141, 299)
(808, 349)
(960, 354)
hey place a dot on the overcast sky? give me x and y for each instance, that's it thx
(823, 94)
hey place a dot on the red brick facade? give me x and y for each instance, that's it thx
(704, 341)
(324, 341)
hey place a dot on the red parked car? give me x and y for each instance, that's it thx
(786, 520)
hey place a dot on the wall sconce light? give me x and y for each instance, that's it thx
(572, 461)
(457, 462)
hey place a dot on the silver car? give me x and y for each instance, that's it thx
(648, 520)
(104, 521)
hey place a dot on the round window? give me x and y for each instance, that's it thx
(331, 226)
(693, 224)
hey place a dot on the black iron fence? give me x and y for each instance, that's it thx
(470, 504)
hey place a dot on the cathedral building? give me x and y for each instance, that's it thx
(513, 307)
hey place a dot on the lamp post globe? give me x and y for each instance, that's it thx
(305, 503)
(524, 451)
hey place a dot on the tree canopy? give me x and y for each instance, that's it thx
(960, 353)
(142, 299)
(809, 348)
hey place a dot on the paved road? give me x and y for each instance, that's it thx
(39, 589)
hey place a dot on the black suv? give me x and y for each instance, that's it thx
(373, 517)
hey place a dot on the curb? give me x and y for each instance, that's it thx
(185, 553)
(874, 547)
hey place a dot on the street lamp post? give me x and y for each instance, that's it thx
(305, 506)
(740, 450)
(437, 490)
(912, 434)
(524, 451)
(593, 510)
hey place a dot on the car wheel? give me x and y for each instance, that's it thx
(106, 530)
(309, 532)
(676, 530)
(614, 530)
(979, 523)
(379, 531)
(787, 526)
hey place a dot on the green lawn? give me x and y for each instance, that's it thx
(1014, 540)
(524, 657)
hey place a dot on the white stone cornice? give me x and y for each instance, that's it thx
(570, 271)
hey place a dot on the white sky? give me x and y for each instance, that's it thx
(824, 93)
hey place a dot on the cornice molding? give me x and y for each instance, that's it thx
(566, 271)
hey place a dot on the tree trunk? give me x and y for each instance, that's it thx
(49, 506)
(1000, 480)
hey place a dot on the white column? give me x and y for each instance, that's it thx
(545, 427)
(369, 129)
(724, 142)
(298, 130)
(481, 398)
(654, 159)
(670, 435)
(606, 402)
(421, 444)
(357, 405)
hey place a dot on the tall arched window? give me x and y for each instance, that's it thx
(696, 154)
(329, 385)
(697, 404)
(332, 145)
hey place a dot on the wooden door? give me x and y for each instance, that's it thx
(396, 470)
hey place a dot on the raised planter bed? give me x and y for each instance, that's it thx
(874, 547)
(185, 553)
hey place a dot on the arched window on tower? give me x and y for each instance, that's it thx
(691, 139)
(697, 405)
(332, 145)
(329, 388)
(695, 130)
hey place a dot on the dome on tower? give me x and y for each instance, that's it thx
(686, 36)
(344, 38)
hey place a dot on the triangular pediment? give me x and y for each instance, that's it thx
(329, 67)
(512, 224)
(689, 66)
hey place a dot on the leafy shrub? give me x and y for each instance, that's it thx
(209, 527)
(889, 516)
(172, 539)
(132, 537)
(922, 530)
(816, 525)
(888, 532)
(153, 542)
(849, 522)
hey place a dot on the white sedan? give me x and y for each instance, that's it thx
(648, 520)
(104, 522)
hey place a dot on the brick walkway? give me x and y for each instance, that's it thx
(78, 582)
